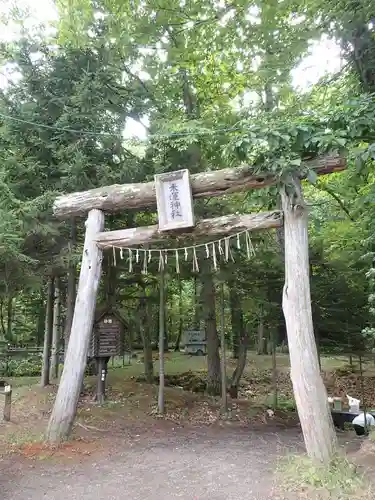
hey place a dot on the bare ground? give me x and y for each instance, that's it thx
(122, 450)
(154, 463)
(179, 463)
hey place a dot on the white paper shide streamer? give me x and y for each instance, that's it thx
(218, 251)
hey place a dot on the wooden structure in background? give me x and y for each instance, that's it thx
(107, 340)
(108, 333)
(311, 397)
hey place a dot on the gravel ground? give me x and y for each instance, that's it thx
(205, 464)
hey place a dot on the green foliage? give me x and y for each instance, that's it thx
(283, 403)
(214, 83)
(340, 480)
(30, 367)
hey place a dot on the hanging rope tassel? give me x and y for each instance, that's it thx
(177, 263)
(166, 256)
(220, 248)
(207, 251)
(149, 256)
(121, 254)
(161, 261)
(130, 260)
(137, 256)
(144, 270)
(231, 254)
(226, 246)
(114, 256)
(238, 241)
(186, 255)
(250, 250)
(195, 261)
(214, 256)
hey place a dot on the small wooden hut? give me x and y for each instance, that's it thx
(108, 334)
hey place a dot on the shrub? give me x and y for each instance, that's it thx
(30, 367)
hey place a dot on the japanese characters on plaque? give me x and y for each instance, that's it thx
(174, 200)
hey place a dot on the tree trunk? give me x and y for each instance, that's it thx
(10, 318)
(54, 369)
(309, 391)
(65, 407)
(180, 317)
(261, 344)
(146, 339)
(209, 313)
(197, 306)
(166, 315)
(47, 335)
(71, 290)
(161, 401)
(274, 370)
(41, 321)
(241, 363)
(223, 361)
(236, 318)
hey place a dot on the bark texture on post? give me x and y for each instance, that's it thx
(309, 391)
(120, 197)
(47, 335)
(65, 406)
(217, 227)
(7, 407)
(54, 369)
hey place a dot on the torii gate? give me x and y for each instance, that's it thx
(309, 390)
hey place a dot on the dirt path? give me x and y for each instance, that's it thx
(215, 465)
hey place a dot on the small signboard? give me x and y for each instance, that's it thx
(174, 200)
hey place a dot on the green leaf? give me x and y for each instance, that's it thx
(341, 140)
(312, 176)
(296, 162)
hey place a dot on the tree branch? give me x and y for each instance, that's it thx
(336, 197)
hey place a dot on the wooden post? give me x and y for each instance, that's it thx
(7, 398)
(161, 405)
(47, 335)
(101, 378)
(224, 399)
(309, 391)
(65, 406)
(54, 368)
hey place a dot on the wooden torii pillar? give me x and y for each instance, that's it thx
(116, 198)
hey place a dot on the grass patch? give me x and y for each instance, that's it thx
(23, 437)
(342, 480)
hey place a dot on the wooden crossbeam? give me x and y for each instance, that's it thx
(119, 197)
(211, 228)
